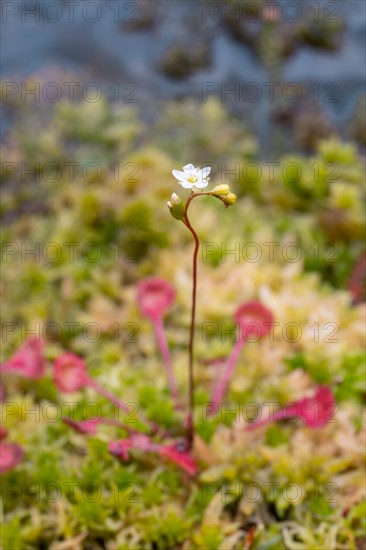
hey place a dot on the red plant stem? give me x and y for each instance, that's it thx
(283, 414)
(108, 395)
(119, 403)
(220, 389)
(123, 425)
(102, 420)
(163, 345)
(190, 422)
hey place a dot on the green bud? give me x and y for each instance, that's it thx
(223, 193)
(220, 190)
(176, 207)
(229, 199)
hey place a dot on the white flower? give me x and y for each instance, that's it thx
(192, 177)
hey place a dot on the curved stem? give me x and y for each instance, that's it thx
(190, 422)
(164, 349)
(220, 389)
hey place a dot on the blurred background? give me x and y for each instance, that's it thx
(292, 71)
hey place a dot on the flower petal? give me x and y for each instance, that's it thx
(189, 168)
(201, 184)
(186, 184)
(178, 174)
(204, 172)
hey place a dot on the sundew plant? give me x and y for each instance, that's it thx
(194, 178)
(227, 410)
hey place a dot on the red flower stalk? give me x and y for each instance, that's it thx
(154, 297)
(27, 360)
(10, 456)
(70, 375)
(314, 411)
(143, 443)
(89, 427)
(254, 321)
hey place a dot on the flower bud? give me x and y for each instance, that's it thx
(228, 200)
(222, 189)
(176, 207)
(223, 193)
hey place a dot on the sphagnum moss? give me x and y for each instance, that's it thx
(139, 499)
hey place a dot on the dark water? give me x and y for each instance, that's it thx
(124, 42)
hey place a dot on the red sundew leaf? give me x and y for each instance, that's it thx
(143, 442)
(70, 373)
(254, 320)
(140, 442)
(154, 297)
(10, 456)
(88, 427)
(3, 432)
(314, 411)
(120, 448)
(27, 360)
(182, 459)
(318, 410)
